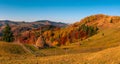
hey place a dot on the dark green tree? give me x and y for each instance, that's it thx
(7, 34)
(111, 21)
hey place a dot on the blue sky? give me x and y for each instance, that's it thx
(68, 11)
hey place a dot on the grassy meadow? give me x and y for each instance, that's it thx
(102, 48)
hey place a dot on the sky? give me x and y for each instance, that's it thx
(67, 11)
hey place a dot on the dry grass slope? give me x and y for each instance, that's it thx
(102, 48)
(11, 53)
(11, 48)
(108, 56)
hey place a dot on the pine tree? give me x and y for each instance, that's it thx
(7, 34)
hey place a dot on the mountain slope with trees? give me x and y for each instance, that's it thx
(93, 42)
(79, 31)
(57, 36)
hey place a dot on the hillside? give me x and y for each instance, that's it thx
(92, 50)
(103, 47)
(26, 32)
(55, 35)
(21, 28)
(108, 56)
(84, 29)
(8, 49)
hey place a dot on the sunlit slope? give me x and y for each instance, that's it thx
(105, 38)
(108, 56)
(9, 49)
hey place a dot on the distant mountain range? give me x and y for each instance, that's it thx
(24, 26)
(34, 24)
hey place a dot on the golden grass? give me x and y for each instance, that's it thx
(94, 50)
(108, 56)
(109, 39)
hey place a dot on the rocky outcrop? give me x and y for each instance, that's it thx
(40, 42)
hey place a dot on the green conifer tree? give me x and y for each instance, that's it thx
(7, 34)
